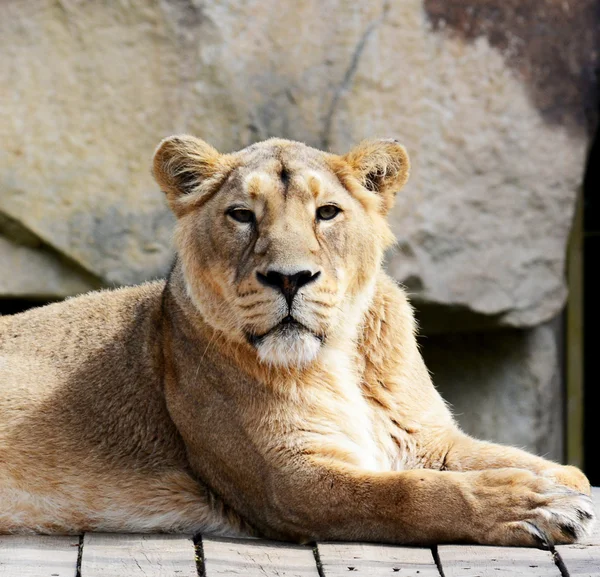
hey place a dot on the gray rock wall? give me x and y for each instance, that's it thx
(493, 100)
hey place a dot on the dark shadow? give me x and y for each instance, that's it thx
(14, 306)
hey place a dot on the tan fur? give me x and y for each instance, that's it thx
(187, 406)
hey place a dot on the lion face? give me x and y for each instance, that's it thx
(281, 243)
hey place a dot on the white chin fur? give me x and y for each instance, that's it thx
(287, 350)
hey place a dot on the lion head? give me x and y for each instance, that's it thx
(280, 243)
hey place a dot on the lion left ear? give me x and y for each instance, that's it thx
(184, 166)
(381, 166)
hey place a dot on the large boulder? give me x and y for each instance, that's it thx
(497, 153)
(31, 271)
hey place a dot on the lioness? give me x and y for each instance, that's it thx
(271, 386)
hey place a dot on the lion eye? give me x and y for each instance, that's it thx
(328, 211)
(241, 215)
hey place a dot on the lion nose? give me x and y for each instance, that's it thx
(288, 284)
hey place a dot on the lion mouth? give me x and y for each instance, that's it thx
(288, 326)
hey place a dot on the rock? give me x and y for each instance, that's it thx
(498, 143)
(39, 274)
(504, 386)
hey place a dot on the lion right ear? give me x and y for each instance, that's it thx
(381, 166)
(186, 168)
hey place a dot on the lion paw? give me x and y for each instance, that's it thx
(570, 477)
(520, 508)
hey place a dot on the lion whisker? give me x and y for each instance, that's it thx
(319, 302)
(250, 318)
(254, 304)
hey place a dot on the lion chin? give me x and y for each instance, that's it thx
(288, 346)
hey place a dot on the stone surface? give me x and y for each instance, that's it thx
(38, 274)
(551, 44)
(89, 88)
(503, 386)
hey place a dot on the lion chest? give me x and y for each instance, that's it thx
(348, 425)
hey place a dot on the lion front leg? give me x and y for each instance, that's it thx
(493, 507)
(467, 454)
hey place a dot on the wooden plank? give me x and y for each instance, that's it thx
(38, 556)
(345, 559)
(581, 560)
(481, 561)
(116, 555)
(254, 558)
(584, 558)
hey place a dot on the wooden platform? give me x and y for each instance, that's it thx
(104, 555)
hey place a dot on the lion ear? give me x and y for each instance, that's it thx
(381, 166)
(182, 166)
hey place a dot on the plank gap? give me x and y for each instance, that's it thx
(317, 557)
(559, 562)
(199, 550)
(436, 558)
(79, 556)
